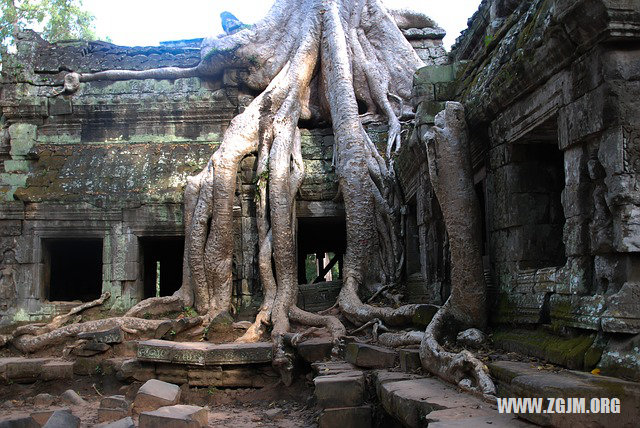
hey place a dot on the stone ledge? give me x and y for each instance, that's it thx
(204, 354)
(514, 379)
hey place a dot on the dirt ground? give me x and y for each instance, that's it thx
(271, 406)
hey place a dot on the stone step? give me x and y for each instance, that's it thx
(417, 401)
(370, 356)
(515, 379)
(204, 354)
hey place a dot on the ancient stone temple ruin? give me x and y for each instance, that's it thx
(92, 186)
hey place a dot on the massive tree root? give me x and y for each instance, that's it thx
(310, 59)
(450, 173)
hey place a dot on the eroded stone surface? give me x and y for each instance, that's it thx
(204, 354)
(370, 356)
(416, 401)
(179, 416)
(340, 390)
(352, 417)
(155, 394)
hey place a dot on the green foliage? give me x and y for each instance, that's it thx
(54, 19)
(212, 390)
(189, 312)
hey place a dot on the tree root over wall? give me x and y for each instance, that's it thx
(309, 60)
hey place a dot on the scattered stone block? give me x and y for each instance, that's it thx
(57, 369)
(107, 415)
(110, 336)
(122, 423)
(41, 417)
(317, 349)
(179, 416)
(352, 417)
(3, 366)
(72, 397)
(25, 370)
(340, 390)
(332, 367)
(155, 394)
(409, 360)
(113, 408)
(62, 419)
(370, 356)
(43, 400)
(90, 349)
(19, 422)
(115, 402)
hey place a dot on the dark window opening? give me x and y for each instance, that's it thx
(161, 265)
(538, 183)
(73, 269)
(322, 242)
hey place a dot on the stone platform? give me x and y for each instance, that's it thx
(204, 354)
(200, 364)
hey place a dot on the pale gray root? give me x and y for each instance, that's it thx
(396, 340)
(156, 306)
(462, 368)
(60, 320)
(451, 176)
(29, 343)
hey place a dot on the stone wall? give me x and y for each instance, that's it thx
(109, 165)
(551, 91)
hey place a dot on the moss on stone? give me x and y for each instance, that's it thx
(565, 351)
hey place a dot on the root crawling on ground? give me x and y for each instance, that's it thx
(310, 59)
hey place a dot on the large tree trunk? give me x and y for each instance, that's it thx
(311, 59)
(451, 176)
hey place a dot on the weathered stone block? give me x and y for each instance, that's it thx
(107, 415)
(363, 355)
(115, 402)
(180, 416)
(41, 417)
(352, 417)
(23, 137)
(340, 390)
(19, 422)
(155, 394)
(122, 423)
(317, 349)
(72, 397)
(25, 369)
(62, 419)
(332, 367)
(409, 360)
(56, 369)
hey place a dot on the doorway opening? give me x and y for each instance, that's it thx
(161, 265)
(322, 242)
